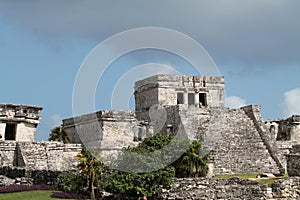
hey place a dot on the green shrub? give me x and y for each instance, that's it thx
(69, 182)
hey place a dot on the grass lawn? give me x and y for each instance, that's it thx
(28, 195)
(262, 181)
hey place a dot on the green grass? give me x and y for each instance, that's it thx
(29, 195)
(248, 176)
(245, 176)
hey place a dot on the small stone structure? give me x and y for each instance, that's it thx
(18, 122)
(18, 125)
(238, 139)
(285, 133)
(293, 161)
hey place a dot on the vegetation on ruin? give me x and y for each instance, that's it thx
(91, 168)
(59, 134)
(142, 170)
(192, 163)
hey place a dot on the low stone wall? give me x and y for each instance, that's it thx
(202, 188)
(48, 155)
(286, 188)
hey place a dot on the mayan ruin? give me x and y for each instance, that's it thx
(239, 140)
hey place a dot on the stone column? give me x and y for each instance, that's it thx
(197, 99)
(185, 98)
(2, 131)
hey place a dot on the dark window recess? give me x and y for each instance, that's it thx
(10, 131)
(202, 99)
(191, 99)
(179, 98)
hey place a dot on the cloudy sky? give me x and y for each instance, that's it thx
(255, 45)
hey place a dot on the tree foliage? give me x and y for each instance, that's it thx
(60, 135)
(91, 168)
(138, 178)
(193, 162)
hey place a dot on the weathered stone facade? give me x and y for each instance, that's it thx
(293, 161)
(39, 155)
(285, 134)
(202, 188)
(18, 122)
(233, 188)
(239, 140)
(170, 90)
(18, 125)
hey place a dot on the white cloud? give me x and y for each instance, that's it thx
(55, 120)
(291, 104)
(234, 102)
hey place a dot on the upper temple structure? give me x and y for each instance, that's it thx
(239, 140)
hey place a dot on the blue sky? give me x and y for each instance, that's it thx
(255, 45)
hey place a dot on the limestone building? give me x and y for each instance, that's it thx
(238, 139)
(19, 122)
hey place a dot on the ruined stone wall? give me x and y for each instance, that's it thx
(49, 155)
(232, 137)
(7, 153)
(108, 131)
(286, 188)
(293, 161)
(237, 144)
(163, 89)
(202, 188)
(26, 132)
(19, 122)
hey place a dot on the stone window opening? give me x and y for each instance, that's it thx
(180, 98)
(10, 131)
(191, 99)
(202, 99)
(272, 129)
(169, 129)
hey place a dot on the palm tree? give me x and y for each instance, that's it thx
(193, 162)
(60, 135)
(90, 167)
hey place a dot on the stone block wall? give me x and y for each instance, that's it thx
(8, 153)
(238, 146)
(163, 89)
(49, 155)
(286, 189)
(18, 122)
(106, 130)
(293, 161)
(202, 188)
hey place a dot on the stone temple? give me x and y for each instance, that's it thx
(18, 124)
(239, 140)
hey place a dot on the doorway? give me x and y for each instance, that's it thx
(202, 99)
(10, 131)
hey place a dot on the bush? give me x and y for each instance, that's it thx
(69, 182)
(162, 157)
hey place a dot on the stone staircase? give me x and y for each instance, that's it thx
(231, 135)
(238, 146)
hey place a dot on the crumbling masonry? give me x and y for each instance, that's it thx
(239, 140)
(18, 125)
